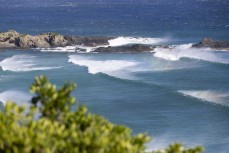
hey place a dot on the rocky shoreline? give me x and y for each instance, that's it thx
(214, 44)
(14, 40)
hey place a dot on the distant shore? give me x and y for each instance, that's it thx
(14, 40)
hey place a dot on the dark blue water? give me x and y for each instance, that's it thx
(186, 20)
(179, 95)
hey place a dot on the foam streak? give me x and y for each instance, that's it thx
(120, 41)
(184, 51)
(18, 63)
(216, 97)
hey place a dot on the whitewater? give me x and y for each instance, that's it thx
(174, 93)
(154, 91)
(119, 41)
(19, 63)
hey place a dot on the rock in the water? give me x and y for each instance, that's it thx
(55, 39)
(210, 43)
(13, 39)
(91, 41)
(42, 41)
(7, 39)
(124, 49)
(25, 41)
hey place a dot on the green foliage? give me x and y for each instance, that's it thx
(53, 101)
(59, 130)
(178, 148)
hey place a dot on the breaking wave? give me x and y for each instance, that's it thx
(126, 68)
(18, 63)
(221, 98)
(184, 51)
(15, 96)
(117, 68)
(120, 41)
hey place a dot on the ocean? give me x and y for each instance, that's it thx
(181, 95)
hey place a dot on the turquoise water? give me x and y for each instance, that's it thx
(183, 100)
(179, 95)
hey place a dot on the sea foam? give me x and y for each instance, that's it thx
(185, 51)
(125, 68)
(216, 97)
(15, 96)
(75, 48)
(58, 49)
(117, 68)
(120, 41)
(18, 63)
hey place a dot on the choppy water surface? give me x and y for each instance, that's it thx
(181, 94)
(184, 99)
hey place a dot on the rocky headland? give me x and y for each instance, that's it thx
(13, 39)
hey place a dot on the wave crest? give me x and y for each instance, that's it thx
(18, 63)
(120, 41)
(216, 97)
(185, 51)
(117, 68)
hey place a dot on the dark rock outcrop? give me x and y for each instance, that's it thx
(210, 43)
(55, 40)
(13, 39)
(133, 49)
(91, 41)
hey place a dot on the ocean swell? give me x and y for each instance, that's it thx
(117, 68)
(212, 96)
(20, 63)
(185, 51)
(125, 68)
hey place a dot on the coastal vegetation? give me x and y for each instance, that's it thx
(50, 126)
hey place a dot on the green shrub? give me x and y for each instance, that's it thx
(178, 148)
(49, 126)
